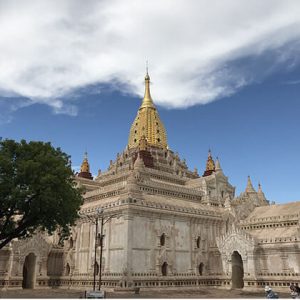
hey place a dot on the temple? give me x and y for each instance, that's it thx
(163, 226)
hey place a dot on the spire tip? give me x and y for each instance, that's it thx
(147, 77)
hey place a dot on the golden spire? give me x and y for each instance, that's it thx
(147, 122)
(147, 101)
(210, 165)
(85, 167)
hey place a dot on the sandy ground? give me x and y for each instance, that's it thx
(191, 293)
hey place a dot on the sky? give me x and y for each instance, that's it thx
(225, 76)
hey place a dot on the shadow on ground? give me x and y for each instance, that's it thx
(191, 293)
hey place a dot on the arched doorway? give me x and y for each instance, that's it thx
(201, 266)
(164, 269)
(29, 271)
(237, 270)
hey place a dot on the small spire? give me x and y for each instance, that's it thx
(139, 163)
(249, 188)
(260, 193)
(147, 75)
(210, 165)
(259, 188)
(85, 168)
(218, 165)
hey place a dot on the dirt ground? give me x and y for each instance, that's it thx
(207, 293)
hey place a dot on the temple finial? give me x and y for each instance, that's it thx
(147, 101)
(210, 165)
(85, 168)
(217, 164)
(249, 187)
(261, 194)
(147, 77)
(147, 68)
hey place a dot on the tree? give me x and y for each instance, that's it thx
(37, 190)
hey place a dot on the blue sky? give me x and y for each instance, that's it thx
(78, 82)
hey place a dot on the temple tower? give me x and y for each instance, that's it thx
(147, 123)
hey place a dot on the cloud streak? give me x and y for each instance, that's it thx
(49, 49)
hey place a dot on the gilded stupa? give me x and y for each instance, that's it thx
(147, 123)
(85, 168)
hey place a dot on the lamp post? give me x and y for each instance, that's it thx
(95, 254)
(94, 220)
(101, 252)
(103, 221)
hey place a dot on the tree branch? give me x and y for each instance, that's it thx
(18, 232)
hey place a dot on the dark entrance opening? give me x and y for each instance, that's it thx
(237, 270)
(162, 239)
(68, 269)
(164, 269)
(201, 266)
(29, 271)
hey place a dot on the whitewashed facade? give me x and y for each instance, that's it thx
(166, 227)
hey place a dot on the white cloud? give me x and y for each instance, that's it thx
(50, 48)
(292, 82)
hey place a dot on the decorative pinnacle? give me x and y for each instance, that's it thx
(217, 164)
(249, 187)
(147, 101)
(85, 167)
(209, 152)
(210, 164)
(147, 77)
(147, 68)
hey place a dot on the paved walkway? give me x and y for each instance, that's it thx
(163, 293)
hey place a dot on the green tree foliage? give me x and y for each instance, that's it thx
(37, 190)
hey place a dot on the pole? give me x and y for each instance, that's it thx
(95, 258)
(101, 250)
